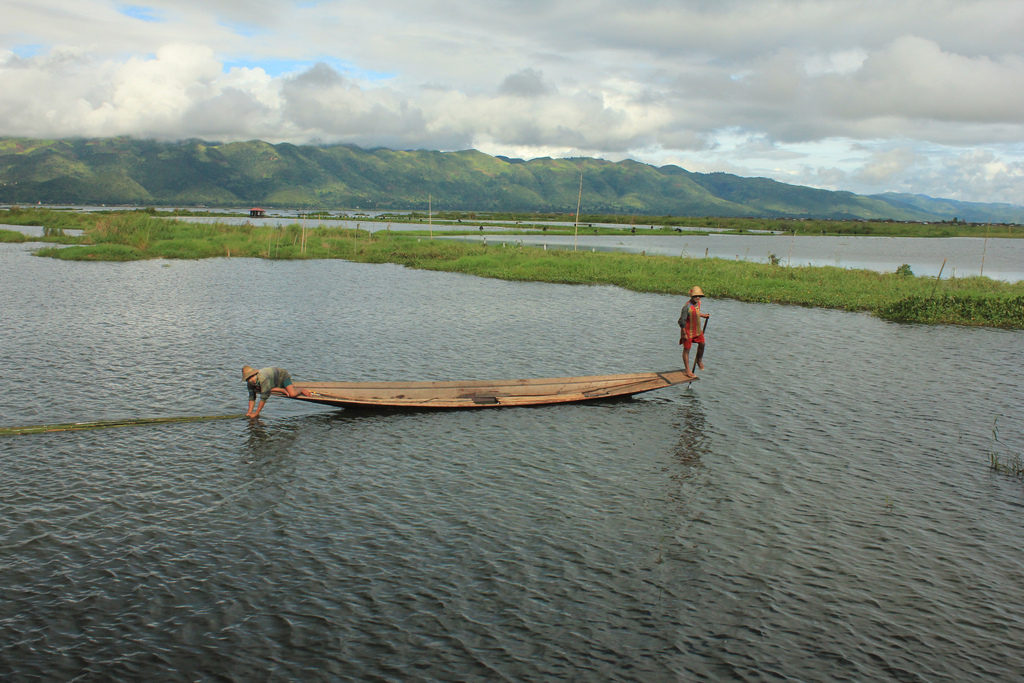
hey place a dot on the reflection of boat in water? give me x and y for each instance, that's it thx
(487, 393)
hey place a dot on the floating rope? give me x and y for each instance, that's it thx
(103, 424)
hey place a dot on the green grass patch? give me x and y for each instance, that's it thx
(93, 252)
(11, 236)
(47, 218)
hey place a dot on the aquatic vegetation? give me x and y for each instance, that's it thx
(94, 252)
(104, 424)
(960, 309)
(11, 236)
(1008, 462)
(47, 218)
(1012, 465)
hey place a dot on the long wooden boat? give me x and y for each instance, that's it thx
(486, 393)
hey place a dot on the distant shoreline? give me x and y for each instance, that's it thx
(552, 223)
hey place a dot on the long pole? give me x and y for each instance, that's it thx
(579, 200)
(938, 276)
(983, 254)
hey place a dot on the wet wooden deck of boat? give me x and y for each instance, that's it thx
(488, 393)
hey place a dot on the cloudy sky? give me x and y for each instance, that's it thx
(922, 96)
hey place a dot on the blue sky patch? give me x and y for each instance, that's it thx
(27, 51)
(141, 13)
(244, 30)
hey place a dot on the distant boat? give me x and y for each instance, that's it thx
(487, 393)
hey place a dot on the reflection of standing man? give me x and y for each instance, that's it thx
(691, 331)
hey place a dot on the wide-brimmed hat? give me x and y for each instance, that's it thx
(696, 291)
(248, 372)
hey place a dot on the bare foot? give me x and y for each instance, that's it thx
(700, 365)
(689, 374)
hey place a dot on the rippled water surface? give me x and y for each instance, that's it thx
(818, 507)
(999, 259)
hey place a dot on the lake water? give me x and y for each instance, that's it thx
(818, 507)
(999, 259)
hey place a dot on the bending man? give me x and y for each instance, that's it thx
(269, 381)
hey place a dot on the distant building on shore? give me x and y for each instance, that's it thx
(257, 212)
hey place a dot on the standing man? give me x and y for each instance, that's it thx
(269, 380)
(692, 331)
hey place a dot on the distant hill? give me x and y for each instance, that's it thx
(239, 174)
(944, 209)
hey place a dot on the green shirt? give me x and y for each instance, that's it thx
(269, 378)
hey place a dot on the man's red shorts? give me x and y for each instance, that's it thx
(687, 343)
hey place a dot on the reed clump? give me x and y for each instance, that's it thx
(1005, 462)
(1011, 465)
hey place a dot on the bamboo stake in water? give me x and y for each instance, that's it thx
(430, 217)
(938, 276)
(579, 200)
(984, 247)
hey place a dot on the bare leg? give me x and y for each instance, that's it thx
(295, 392)
(686, 363)
(698, 362)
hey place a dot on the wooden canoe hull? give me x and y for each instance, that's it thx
(488, 393)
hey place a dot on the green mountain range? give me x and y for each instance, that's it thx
(126, 171)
